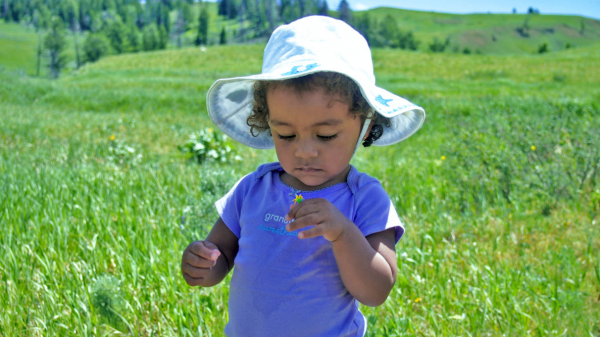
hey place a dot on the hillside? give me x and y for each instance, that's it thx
(175, 80)
(495, 33)
(500, 34)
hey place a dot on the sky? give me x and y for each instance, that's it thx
(589, 8)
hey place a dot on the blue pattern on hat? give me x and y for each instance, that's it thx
(295, 70)
(382, 100)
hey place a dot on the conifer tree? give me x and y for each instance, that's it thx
(364, 26)
(228, 9)
(202, 38)
(345, 14)
(150, 37)
(95, 46)
(270, 8)
(223, 37)
(39, 54)
(75, 30)
(323, 8)
(241, 17)
(133, 38)
(116, 32)
(55, 43)
(389, 31)
(165, 19)
(163, 37)
(5, 11)
(179, 28)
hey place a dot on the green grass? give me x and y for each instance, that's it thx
(87, 222)
(18, 50)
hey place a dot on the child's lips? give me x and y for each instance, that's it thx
(307, 169)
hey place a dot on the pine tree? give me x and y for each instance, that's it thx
(271, 14)
(324, 8)
(223, 37)
(55, 43)
(165, 19)
(389, 31)
(39, 54)
(179, 28)
(345, 14)
(75, 30)
(116, 32)
(163, 37)
(364, 26)
(241, 17)
(407, 41)
(301, 7)
(133, 38)
(188, 16)
(95, 46)
(202, 38)
(228, 9)
(150, 37)
(5, 11)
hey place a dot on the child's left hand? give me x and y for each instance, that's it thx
(329, 222)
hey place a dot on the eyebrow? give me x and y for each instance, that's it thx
(328, 122)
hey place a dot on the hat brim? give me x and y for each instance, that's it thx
(229, 103)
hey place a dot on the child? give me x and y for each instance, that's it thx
(309, 235)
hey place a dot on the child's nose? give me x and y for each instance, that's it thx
(306, 150)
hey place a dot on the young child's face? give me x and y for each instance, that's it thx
(314, 134)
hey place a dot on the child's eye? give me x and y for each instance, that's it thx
(326, 138)
(286, 137)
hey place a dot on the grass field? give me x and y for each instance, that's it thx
(499, 192)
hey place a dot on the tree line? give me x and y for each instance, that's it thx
(129, 26)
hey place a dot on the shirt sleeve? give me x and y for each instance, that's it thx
(375, 211)
(230, 205)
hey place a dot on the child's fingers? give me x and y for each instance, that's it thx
(310, 219)
(192, 281)
(292, 212)
(197, 261)
(205, 249)
(311, 233)
(305, 207)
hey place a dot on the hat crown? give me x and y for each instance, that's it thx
(314, 40)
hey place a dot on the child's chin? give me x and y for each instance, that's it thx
(313, 183)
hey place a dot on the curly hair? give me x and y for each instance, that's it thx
(335, 84)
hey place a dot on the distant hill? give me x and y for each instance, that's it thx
(494, 33)
(502, 34)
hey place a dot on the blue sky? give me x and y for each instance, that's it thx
(589, 8)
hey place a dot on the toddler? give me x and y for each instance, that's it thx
(309, 235)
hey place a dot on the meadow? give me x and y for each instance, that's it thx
(499, 192)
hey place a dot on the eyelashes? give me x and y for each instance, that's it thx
(326, 138)
(323, 138)
(286, 137)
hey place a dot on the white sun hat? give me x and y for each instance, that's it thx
(305, 46)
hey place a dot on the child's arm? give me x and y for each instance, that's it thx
(206, 263)
(367, 265)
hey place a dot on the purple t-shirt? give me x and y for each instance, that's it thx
(285, 286)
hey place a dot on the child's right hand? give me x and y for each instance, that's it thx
(197, 261)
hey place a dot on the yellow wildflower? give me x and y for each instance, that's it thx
(299, 198)
(112, 137)
(443, 158)
(418, 300)
(533, 147)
